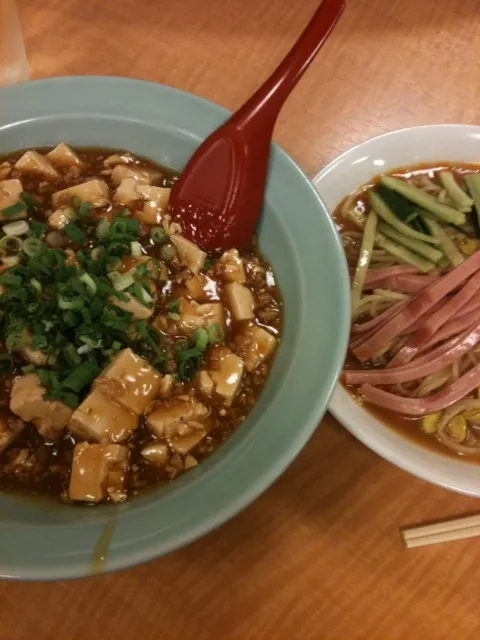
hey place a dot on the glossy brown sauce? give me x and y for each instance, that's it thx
(46, 469)
(406, 426)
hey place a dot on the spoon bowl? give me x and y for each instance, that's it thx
(218, 198)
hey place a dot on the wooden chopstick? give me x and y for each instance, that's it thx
(447, 531)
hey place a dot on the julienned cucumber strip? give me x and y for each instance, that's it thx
(426, 201)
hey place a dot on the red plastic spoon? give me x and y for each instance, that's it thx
(218, 198)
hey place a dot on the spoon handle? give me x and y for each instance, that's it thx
(261, 110)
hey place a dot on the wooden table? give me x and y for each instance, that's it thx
(318, 557)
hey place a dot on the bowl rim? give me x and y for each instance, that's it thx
(439, 469)
(78, 565)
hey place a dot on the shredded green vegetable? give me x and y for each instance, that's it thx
(383, 211)
(447, 245)
(425, 200)
(364, 258)
(462, 201)
(423, 249)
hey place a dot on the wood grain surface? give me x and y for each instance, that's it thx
(318, 557)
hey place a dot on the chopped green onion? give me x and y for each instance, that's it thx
(147, 298)
(200, 339)
(13, 210)
(136, 249)
(36, 285)
(97, 253)
(116, 345)
(103, 227)
(18, 228)
(158, 235)
(207, 264)
(70, 304)
(29, 201)
(37, 229)
(141, 295)
(73, 232)
(84, 209)
(174, 305)
(215, 333)
(168, 252)
(85, 348)
(70, 399)
(29, 368)
(10, 261)
(33, 247)
(122, 282)
(11, 281)
(112, 264)
(81, 376)
(89, 282)
(11, 243)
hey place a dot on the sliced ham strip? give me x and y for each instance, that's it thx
(380, 319)
(379, 275)
(452, 328)
(417, 307)
(423, 318)
(414, 370)
(436, 321)
(421, 406)
(403, 283)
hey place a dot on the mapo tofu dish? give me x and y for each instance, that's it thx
(127, 354)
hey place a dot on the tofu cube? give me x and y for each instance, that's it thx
(93, 191)
(60, 217)
(173, 412)
(231, 266)
(126, 192)
(10, 191)
(64, 156)
(156, 204)
(197, 287)
(100, 419)
(226, 373)
(156, 454)
(136, 382)
(205, 383)
(97, 470)
(190, 462)
(194, 316)
(165, 387)
(124, 158)
(189, 254)
(141, 176)
(257, 345)
(50, 417)
(183, 437)
(240, 301)
(34, 162)
(133, 306)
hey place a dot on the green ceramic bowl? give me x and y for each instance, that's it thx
(46, 540)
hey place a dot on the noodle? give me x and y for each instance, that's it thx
(440, 212)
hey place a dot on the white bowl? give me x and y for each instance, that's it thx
(432, 143)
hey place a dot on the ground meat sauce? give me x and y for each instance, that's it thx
(36, 457)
